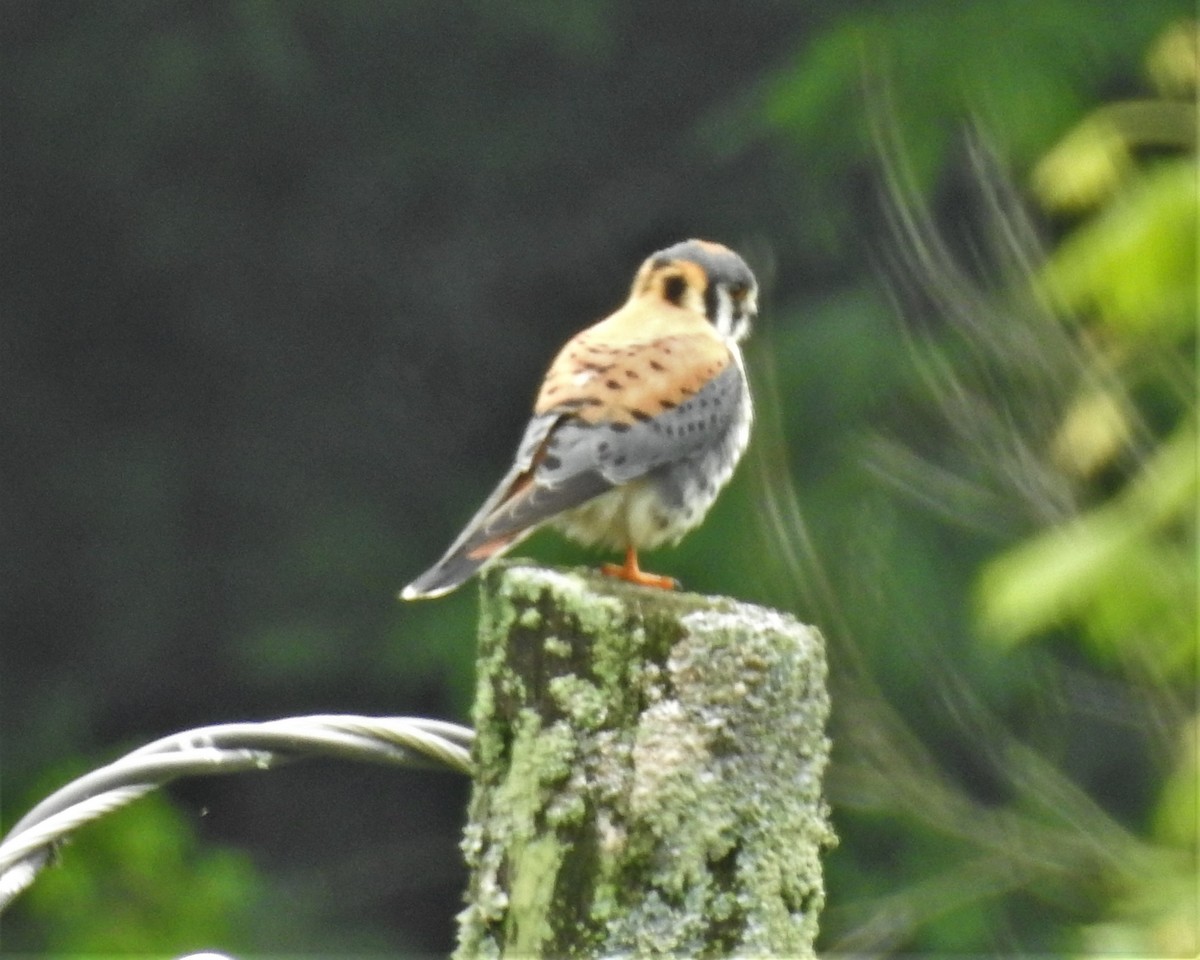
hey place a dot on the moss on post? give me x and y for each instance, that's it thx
(648, 774)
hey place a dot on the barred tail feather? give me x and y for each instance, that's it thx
(457, 567)
(518, 506)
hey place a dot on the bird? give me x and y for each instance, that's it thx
(639, 423)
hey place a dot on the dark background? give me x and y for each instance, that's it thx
(278, 283)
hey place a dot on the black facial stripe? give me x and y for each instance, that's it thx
(712, 303)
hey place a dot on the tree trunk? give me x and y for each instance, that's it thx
(648, 774)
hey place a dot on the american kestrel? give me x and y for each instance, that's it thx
(638, 424)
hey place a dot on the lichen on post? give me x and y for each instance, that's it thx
(648, 776)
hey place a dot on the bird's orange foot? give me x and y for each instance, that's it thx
(631, 572)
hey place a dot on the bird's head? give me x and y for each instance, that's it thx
(707, 278)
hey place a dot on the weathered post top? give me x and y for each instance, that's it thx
(648, 774)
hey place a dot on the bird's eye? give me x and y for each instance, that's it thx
(674, 286)
(738, 291)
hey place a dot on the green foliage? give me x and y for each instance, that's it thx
(1093, 427)
(119, 888)
(1134, 265)
(1122, 576)
(1023, 70)
(1124, 570)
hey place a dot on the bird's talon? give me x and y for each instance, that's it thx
(640, 577)
(630, 572)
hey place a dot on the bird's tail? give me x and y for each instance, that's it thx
(514, 510)
(457, 566)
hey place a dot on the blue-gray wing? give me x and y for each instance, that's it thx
(564, 461)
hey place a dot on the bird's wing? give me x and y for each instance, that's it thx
(605, 416)
(513, 510)
(639, 406)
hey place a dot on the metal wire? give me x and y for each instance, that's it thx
(224, 748)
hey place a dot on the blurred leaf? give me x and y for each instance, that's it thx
(1088, 164)
(1156, 920)
(1174, 61)
(1175, 817)
(1085, 167)
(1114, 566)
(1095, 429)
(1134, 265)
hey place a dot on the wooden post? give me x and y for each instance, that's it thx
(648, 774)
